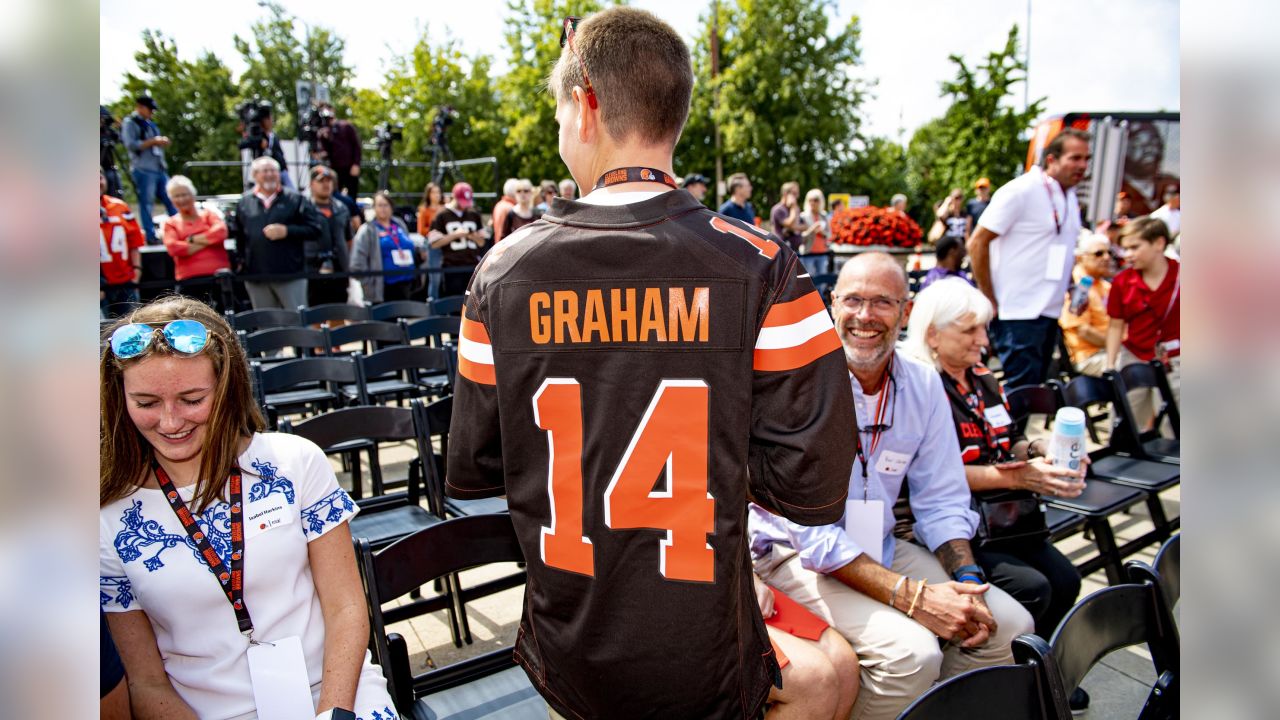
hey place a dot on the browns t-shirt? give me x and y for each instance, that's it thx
(118, 235)
(462, 251)
(629, 377)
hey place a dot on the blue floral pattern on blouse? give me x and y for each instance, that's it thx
(330, 509)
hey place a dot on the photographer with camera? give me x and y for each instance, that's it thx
(146, 162)
(108, 136)
(339, 144)
(258, 136)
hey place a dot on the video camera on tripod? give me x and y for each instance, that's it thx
(316, 124)
(440, 125)
(253, 136)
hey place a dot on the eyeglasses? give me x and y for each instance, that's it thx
(525, 190)
(567, 31)
(187, 337)
(881, 305)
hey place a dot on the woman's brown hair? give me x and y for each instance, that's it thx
(126, 455)
(426, 194)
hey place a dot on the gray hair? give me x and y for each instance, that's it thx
(262, 162)
(940, 305)
(509, 187)
(897, 199)
(180, 181)
(568, 183)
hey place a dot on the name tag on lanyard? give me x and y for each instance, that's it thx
(402, 258)
(864, 524)
(997, 416)
(281, 688)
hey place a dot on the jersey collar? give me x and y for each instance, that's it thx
(646, 212)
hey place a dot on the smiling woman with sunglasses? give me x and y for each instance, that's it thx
(225, 559)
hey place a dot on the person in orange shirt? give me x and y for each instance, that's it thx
(1086, 333)
(195, 239)
(432, 201)
(120, 263)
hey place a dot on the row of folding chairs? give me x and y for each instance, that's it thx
(1121, 474)
(1036, 687)
(387, 516)
(308, 385)
(267, 344)
(250, 320)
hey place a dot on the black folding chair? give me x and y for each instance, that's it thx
(329, 312)
(305, 385)
(1023, 691)
(451, 305)
(404, 372)
(250, 320)
(1117, 617)
(1121, 468)
(437, 330)
(1093, 508)
(263, 345)
(1166, 574)
(399, 310)
(348, 432)
(1149, 445)
(489, 685)
(371, 334)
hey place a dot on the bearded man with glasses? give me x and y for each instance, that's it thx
(852, 572)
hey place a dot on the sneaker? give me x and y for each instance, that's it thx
(1078, 702)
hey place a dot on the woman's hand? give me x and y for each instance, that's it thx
(1041, 476)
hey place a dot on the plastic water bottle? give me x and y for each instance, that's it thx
(1066, 446)
(1080, 296)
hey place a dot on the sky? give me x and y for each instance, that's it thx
(1086, 55)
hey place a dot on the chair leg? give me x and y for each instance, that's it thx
(1158, 517)
(1105, 539)
(458, 612)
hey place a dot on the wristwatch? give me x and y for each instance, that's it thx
(969, 573)
(336, 714)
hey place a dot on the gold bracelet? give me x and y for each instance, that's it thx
(916, 598)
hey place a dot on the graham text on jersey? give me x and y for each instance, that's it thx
(650, 314)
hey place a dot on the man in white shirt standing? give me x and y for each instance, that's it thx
(1035, 218)
(1171, 211)
(893, 600)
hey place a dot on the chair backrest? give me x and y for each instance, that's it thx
(1152, 375)
(1167, 573)
(366, 332)
(1085, 391)
(1029, 400)
(332, 311)
(271, 340)
(250, 320)
(399, 309)
(914, 279)
(434, 329)
(451, 305)
(376, 424)
(436, 417)
(1112, 618)
(294, 372)
(996, 692)
(433, 552)
(404, 357)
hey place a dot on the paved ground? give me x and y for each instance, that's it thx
(1118, 686)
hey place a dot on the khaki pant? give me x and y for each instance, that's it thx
(900, 658)
(1144, 401)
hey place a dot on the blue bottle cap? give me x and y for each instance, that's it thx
(1069, 421)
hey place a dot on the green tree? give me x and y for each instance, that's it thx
(276, 59)
(980, 135)
(878, 170)
(193, 102)
(527, 109)
(788, 105)
(416, 86)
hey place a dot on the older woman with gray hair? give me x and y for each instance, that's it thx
(1006, 473)
(195, 239)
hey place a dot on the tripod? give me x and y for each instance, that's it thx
(442, 163)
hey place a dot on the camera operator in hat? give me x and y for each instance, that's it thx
(696, 185)
(146, 163)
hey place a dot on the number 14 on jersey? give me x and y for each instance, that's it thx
(671, 440)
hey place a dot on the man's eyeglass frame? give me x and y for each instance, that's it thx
(567, 31)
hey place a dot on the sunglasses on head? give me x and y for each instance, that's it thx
(567, 31)
(187, 337)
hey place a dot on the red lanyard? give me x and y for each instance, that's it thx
(634, 174)
(1057, 221)
(881, 406)
(232, 581)
(391, 232)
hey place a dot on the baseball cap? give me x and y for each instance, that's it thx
(321, 171)
(694, 179)
(145, 101)
(982, 182)
(462, 194)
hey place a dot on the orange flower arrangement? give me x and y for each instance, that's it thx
(874, 226)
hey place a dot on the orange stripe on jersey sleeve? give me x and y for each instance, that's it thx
(794, 311)
(790, 358)
(475, 353)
